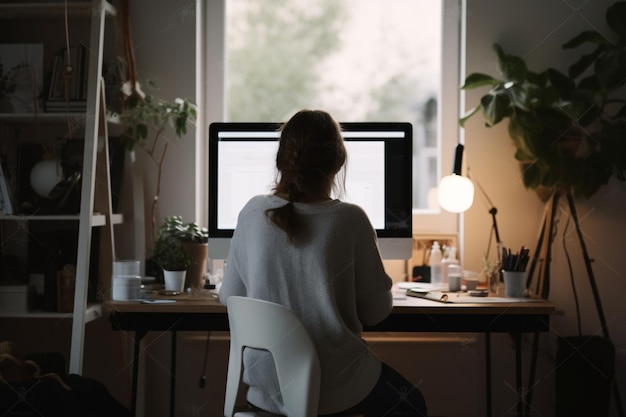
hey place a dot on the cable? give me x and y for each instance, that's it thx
(69, 71)
(202, 382)
(571, 277)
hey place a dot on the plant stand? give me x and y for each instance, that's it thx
(540, 265)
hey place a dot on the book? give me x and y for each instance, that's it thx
(59, 106)
(69, 73)
(6, 190)
(55, 90)
(2, 205)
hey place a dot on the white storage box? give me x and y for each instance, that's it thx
(13, 298)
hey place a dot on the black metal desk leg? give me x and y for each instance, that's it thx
(488, 371)
(139, 334)
(173, 376)
(518, 373)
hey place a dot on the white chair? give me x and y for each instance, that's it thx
(265, 325)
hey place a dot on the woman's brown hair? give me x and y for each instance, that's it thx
(310, 154)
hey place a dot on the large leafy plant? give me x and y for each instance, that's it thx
(569, 130)
(152, 124)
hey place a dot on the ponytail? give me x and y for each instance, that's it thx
(286, 218)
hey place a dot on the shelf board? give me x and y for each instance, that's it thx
(47, 9)
(42, 117)
(100, 219)
(92, 312)
(97, 220)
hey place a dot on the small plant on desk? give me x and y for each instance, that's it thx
(169, 252)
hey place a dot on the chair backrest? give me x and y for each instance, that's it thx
(273, 327)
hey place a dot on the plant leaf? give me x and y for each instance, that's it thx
(616, 18)
(564, 85)
(586, 36)
(611, 68)
(495, 106)
(467, 115)
(476, 80)
(585, 62)
(513, 67)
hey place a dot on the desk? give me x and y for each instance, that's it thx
(204, 313)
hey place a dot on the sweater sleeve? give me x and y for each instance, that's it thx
(373, 285)
(233, 281)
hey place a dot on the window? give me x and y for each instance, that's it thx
(361, 60)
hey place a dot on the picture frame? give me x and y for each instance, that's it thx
(21, 77)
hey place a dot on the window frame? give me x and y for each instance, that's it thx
(211, 70)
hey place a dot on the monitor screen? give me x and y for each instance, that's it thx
(242, 164)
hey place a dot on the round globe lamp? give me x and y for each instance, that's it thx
(455, 193)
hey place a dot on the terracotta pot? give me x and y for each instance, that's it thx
(195, 273)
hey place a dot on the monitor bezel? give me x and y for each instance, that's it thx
(403, 227)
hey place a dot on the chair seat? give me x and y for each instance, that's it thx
(272, 327)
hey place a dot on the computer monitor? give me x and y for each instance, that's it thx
(242, 164)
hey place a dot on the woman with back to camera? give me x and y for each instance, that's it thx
(319, 257)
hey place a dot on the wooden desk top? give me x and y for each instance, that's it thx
(206, 301)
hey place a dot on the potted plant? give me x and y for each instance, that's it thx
(151, 124)
(169, 252)
(568, 129)
(194, 240)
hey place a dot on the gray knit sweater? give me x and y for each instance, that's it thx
(332, 278)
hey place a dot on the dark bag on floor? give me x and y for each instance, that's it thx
(585, 368)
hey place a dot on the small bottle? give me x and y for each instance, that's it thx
(447, 261)
(436, 276)
(455, 274)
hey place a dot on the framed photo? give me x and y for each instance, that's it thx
(21, 77)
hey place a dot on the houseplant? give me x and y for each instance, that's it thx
(193, 239)
(151, 124)
(568, 129)
(168, 251)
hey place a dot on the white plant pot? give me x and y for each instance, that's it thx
(174, 280)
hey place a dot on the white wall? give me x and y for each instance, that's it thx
(164, 37)
(533, 29)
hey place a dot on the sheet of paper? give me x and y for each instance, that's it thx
(462, 297)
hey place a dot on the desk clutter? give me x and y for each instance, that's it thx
(470, 297)
(514, 272)
(128, 284)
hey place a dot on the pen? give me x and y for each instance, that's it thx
(516, 261)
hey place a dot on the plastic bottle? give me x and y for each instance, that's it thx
(455, 276)
(436, 276)
(447, 261)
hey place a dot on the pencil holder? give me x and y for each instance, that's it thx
(514, 284)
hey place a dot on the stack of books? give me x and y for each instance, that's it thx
(68, 81)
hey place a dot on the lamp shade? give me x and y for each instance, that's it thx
(455, 193)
